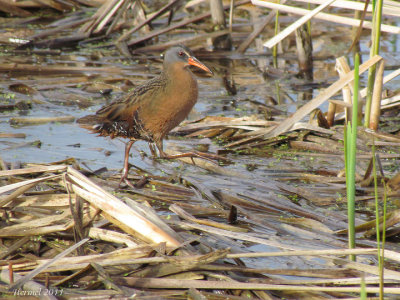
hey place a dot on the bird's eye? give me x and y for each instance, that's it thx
(181, 53)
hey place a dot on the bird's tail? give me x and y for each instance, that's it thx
(89, 122)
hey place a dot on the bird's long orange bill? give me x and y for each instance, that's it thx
(195, 62)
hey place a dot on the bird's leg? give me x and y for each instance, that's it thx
(124, 177)
(152, 149)
(192, 154)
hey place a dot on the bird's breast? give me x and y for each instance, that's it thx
(171, 106)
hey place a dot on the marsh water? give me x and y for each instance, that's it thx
(99, 75)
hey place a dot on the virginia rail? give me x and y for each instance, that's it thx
(153, 109)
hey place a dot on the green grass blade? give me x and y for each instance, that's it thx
(378, 243)
(275, 48)
(351, 149)
(363, 294)
(382, 257)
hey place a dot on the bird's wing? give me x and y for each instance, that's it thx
(125, 108)
(122, 117)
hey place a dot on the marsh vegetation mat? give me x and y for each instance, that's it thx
(268, 221)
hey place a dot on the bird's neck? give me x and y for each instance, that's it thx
(177, 70)
(181, 79)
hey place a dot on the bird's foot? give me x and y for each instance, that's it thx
(124, 179)
(138, 185)
(195, 154)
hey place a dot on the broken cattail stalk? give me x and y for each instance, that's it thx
(386, 79)
(304, 52)
(330, 115)
(376, 97)
(223, 42)
(342, 67)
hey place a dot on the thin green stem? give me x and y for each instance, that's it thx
(377, 25)
(309, 21)
(368, 103)
(350, 159)
(382, 257)
(378, 243)
(278, 92)
(363, 294)
(275, 48)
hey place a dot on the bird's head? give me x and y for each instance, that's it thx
(183, 55)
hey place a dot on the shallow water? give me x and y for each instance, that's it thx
(78, 92)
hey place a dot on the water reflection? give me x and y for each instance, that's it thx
(243, 85)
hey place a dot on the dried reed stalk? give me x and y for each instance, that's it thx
(164, 283)
(325, 16)
(291, 28)
(390, 9)
(136, 221)
(376, 97)
(342, 67)
(321, 98)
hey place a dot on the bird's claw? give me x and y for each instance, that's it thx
(194, 154)
(125, 180)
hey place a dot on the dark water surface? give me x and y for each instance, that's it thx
(61, 140)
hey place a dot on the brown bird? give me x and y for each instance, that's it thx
(153, 109)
